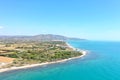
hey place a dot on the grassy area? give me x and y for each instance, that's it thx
(36, 52)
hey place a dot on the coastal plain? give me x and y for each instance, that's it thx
(21, 55)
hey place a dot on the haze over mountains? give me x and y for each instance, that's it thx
(41, 37)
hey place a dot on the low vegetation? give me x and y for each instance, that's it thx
(36, 52)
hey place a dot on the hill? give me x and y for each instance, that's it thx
(41, 37)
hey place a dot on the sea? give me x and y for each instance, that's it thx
(102, 62)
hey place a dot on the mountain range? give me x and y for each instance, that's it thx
(41, 37)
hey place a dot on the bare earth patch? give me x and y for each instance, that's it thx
(6, 59)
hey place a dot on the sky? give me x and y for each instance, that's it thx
(88, 19)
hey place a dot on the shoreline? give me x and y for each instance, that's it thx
(45, 63)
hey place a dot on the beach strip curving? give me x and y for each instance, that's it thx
(84, 52)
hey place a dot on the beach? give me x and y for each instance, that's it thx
(84, 52)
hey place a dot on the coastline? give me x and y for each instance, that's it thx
(46, 63)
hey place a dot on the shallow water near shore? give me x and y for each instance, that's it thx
(101, 63)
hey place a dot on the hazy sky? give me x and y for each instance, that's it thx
(90, 19)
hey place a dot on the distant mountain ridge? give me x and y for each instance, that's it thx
(41, 37)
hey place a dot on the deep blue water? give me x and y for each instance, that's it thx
(101, 63)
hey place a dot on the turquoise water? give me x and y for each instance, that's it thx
(101, 63)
